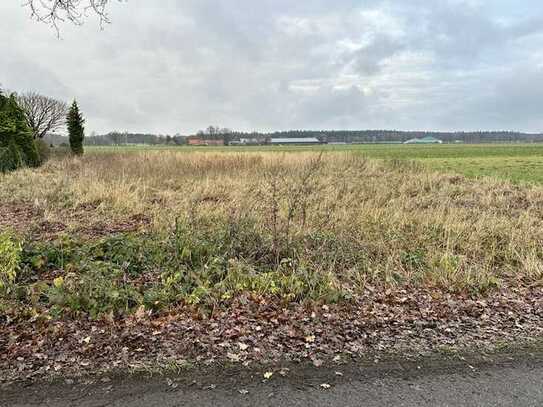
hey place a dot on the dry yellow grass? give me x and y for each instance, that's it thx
(349, 219)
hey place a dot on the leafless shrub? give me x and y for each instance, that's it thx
(43, 114)
(286, 196)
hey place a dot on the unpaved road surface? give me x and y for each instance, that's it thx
(510, 381)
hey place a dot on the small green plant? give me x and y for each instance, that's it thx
(95, 292)
(413, 259)
(10, 254)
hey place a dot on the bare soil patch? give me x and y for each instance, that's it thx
(29, 221)
(18, 216)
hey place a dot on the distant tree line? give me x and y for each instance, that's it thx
(116, 138)
(327, 136)
(216, 133)
(395, 136)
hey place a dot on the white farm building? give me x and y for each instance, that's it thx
(295, 140)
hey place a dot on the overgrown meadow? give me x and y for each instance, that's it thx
(520, 163)
(111, 234)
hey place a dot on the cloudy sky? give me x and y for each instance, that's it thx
(171, 66)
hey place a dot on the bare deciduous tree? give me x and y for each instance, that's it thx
(43, 114)
(75, 11)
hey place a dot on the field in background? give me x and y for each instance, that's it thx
(515, 162)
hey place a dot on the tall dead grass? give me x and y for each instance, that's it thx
(358, 222)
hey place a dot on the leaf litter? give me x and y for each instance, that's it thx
(375, 324)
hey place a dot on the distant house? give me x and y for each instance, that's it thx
(424, 140)
(199, 141)
(195, 141)
(295, 141)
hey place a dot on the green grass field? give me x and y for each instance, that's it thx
(520, 163)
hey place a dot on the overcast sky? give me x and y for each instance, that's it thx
(169, 66)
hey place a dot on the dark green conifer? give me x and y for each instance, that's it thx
(76, 130)
(17, 147)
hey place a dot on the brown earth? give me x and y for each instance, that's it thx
(30, 221)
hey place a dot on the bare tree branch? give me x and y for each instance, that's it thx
(54, 11)
(43, 114)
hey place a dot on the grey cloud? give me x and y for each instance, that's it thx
(169, 66)
(21, 71)
(368, 59)
(518, 94)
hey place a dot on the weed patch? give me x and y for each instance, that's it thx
(10, 252)
(290, 227)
